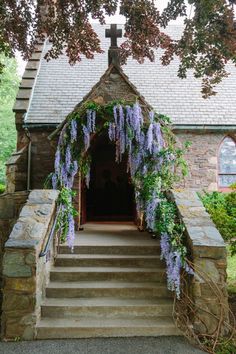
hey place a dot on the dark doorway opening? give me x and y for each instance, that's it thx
(110, 196)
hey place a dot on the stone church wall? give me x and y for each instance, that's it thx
(42, 157)
(202, 158)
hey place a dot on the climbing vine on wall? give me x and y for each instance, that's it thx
(154, 161)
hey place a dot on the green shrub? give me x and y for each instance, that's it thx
(222, 208)
(2, 188)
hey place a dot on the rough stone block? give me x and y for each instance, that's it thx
(26, 229)
(26, 285)
(46, 196)
(14, 301)
(14, 265)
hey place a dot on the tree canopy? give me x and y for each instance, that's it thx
(8, 89)
(208, 40)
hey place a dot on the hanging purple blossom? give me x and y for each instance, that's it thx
(68, 158)
(71, 231)
(112, 132)
(150, 212)
(150, 138)
(74, 169)
(129, 114)
(157, 134)
(89, 120)
(73, 130)
(87, 178)
(57, 161)
(54, 181)
(86, 137)
(64, 175)
(93, 122)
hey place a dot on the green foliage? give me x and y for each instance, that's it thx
(2, 188)
(222, 208)
(231, 273)
(9, 82)
(226, 346)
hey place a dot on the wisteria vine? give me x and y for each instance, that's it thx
(146, 139)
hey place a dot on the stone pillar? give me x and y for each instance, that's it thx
(25, 274)
(208, 252)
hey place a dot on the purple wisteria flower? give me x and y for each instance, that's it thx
(86, 137)
(150, 212)
(157, 134)
(174, 264)
(57, 161)
(112, 132)
(87, 178)
(150, 138)
(71, 231)
(73, 130)
(68, 158)
(54, 181)
(93, 122)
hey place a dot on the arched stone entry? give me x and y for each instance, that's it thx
(110, 196)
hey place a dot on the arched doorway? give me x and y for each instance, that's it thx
(110, 196)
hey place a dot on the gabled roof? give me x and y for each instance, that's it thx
(59, 87)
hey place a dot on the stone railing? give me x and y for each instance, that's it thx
(16, 171)
(25, 274)
(10, 206)
(208, 254)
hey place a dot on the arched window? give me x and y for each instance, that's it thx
(227, 163)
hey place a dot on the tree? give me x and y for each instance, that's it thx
(208, 41)
(8, 89)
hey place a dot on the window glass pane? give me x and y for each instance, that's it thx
(228, 156)
(226, 180)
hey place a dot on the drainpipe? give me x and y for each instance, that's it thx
(28, 160)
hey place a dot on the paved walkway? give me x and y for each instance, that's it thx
(141, 345)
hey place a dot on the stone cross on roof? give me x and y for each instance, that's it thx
(114, 51)
(113, 33)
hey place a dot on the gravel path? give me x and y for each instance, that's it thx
(138, 345)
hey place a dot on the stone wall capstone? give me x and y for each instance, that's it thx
(25, 274)
(208, 254)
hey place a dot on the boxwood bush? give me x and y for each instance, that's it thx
(222, 208)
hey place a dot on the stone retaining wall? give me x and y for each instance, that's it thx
(25, 274)
(10, 206)
(208, 252)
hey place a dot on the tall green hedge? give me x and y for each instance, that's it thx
(222, 208)
(9, 82)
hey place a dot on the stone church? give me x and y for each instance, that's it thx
(51, 90)
(114, 284)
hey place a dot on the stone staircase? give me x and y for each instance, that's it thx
(112, 285)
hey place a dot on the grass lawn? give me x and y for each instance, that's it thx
(231, 271)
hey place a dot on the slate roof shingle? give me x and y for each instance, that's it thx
(60, 87)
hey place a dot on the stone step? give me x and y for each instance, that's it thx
(106, 307)
(104, 260)
(56, 328)
(114, 249)
(107, 273)
(107, 289)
